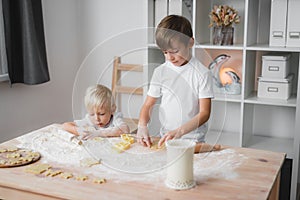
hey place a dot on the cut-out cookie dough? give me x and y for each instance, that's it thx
(66, 175)
(81, 178)
(99, 180)
(13, 157)
(122, 146)
(127, 138)
(125, 144)
(38, 168)
(52, 173)
(88, 162)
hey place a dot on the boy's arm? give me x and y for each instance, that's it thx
(146, 110)
(142, 133)
(70, 127)
(195, 122)
(108, 132)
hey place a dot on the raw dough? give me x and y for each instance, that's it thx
(38, 168)
(127, 138)
(12, 157)
(52, 173)
(66, 175)
(88, 162)
(99, 180)
(81, 178)
(122, 146)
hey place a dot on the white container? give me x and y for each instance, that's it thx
(293, 25)
(275, 88)
(278, 23)
(180, 156)
(275, 66)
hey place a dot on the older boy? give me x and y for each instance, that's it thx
(182, 82)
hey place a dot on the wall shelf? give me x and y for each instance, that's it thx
(291, 102)
(209, 46)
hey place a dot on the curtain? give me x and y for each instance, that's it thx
(25, 41)
(3, 58)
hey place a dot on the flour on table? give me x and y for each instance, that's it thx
(135, 164)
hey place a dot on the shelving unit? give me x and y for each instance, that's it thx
(245, 120)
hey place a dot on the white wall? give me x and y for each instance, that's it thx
(72, 28)
(108, 29)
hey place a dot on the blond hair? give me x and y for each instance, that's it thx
(99, 96)
(170, 27)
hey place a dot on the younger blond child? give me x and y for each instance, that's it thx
(101, 119)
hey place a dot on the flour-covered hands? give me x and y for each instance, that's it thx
(91, 134)
(143, 136)
(170, 135)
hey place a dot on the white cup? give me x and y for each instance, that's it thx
(180, 157)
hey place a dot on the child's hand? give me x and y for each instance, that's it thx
(143, 136)
(169, 136)
(91, 134)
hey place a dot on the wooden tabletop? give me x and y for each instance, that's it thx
(257, 178)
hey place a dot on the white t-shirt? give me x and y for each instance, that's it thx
(180, 89)
(116, 120)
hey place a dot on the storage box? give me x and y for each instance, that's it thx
(278, 23)
(293, 25)
(276, 66)
(275, 88)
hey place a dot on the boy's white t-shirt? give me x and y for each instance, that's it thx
(116, 120)
(180, 89)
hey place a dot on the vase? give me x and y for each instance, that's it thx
(223, 35)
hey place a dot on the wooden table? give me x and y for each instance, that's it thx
(258, 178)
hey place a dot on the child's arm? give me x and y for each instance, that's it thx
(142, 133)
(70, 127)
(107, 132)
(195, 122)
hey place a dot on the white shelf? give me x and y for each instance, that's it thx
(291, 102)
(210, 46)
(223, 138)
(273, 144)
(266, 47)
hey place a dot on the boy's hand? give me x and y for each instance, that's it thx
(143, 136)
(169, 136)
(91, 134)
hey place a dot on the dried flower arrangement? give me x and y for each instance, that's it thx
(223, 15)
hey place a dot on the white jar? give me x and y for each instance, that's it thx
(180, 156)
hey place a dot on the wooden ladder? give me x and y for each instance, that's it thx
(118, 67)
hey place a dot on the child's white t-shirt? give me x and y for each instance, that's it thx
(116, 120)
(180, 89)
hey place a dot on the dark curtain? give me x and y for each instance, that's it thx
(25, 41)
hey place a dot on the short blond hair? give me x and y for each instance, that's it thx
(99, 96)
